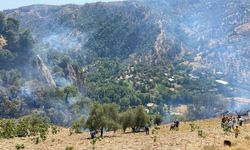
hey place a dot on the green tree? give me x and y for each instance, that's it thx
(127, 119)
(70, 90)
(103, 117)
(134, 118)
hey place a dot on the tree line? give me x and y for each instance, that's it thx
(102, 117)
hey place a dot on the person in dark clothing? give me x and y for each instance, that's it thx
(177, 124)
(223, 120)
(146, 129)
(241, 120)
(172, 126)
(93, 134)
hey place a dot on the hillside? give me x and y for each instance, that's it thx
(172, 55)
(183, 139)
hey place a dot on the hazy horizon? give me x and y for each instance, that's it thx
(16, 3)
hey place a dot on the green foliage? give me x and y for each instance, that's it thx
(127, 119)
(78, 125)
(193, 127)
(134, 118)
(6, 54)
(93, 142)
(7, 128)
(11, 77)
(69, 148)
(36, 139)
(70, 91)
(116, 35)
(158, 119)
(54, 129)
(20, 146)
(33, 125)
(102, 117)
(103, 72)
(19, 44)
(155, 134)
(29, 125)
(202, 134)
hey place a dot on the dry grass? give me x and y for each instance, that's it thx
(166, 140)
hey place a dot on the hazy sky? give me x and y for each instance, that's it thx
(8, 4)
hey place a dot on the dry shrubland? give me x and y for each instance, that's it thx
(183, 139)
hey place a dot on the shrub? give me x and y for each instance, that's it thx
(201, 134)
(32, 125)
(93, 142)
(155, 133)
(78, 125)
(69, 148)
(20, 146)
(29, 125)
(193, 126)
(158, 119)
(54, 130)
(7, 128)
(36, 140)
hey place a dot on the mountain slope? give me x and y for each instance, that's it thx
(170, 53)
(216, 31)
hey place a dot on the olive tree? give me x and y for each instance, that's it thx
(103, 117)
(134, 118)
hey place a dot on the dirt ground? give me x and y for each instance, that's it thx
(183, 139)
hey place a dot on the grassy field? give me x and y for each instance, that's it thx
(212, 139)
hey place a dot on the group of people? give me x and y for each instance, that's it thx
(231, 123)
(175, 125)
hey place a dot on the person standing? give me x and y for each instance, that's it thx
(146, 129)
(177, 124)
(234, 122)
(230, 125)
(236, 131)
(241, 120)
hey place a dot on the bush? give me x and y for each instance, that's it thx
(54, 130)
(158, 119)
(8, 128)
(78, 125)
(193, 127)
(155, 133)
(201, 133)
(32, 125)
(20, 146)
(36, 140)
(93, 142)
(69, 148)
(29, 125)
